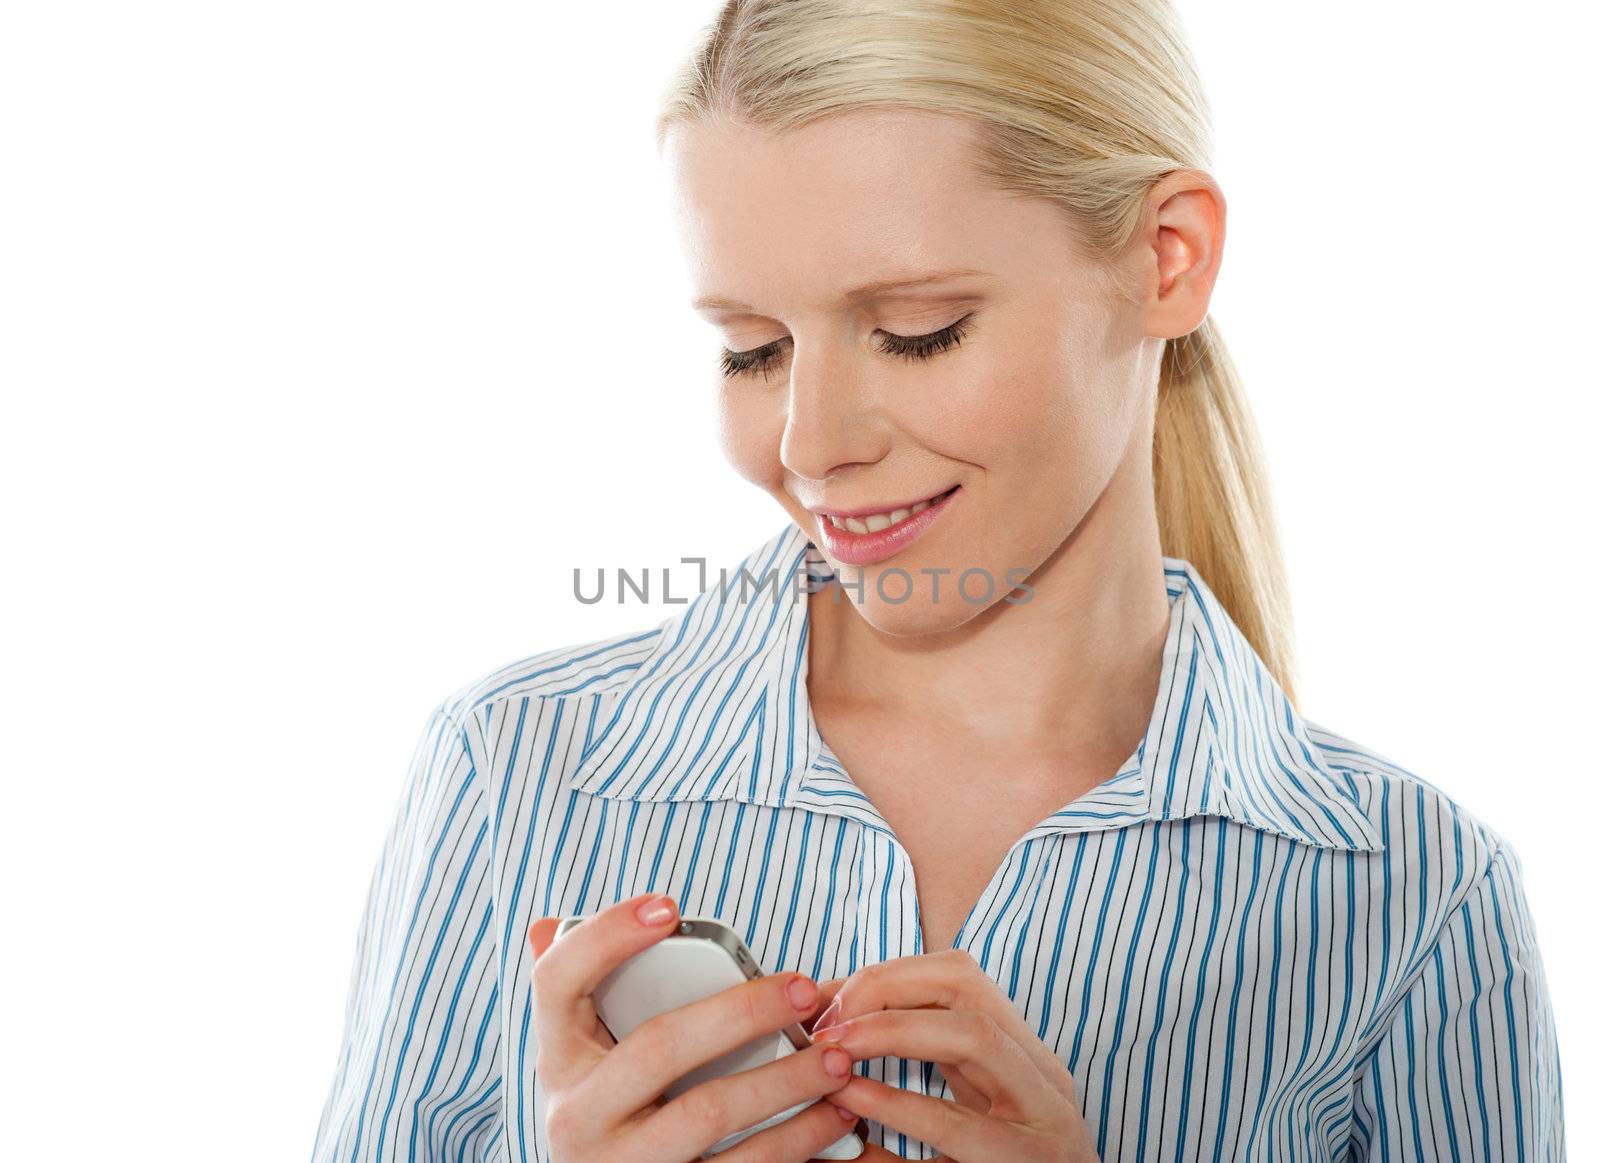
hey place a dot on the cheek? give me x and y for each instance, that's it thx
(1047, 430)
(751, 437)
(1019, 415)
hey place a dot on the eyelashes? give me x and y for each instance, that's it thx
(909, 347)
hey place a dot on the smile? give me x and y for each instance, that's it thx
(874, 522)
(865, 537)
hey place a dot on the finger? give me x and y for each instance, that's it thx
(718, 1107)
(965, 1093)
(567, 972)
(671, 1044)
(987, 1056)
(804, 1136)
(949, 980)
(826, 992)
(951, 1130)
(541, 933)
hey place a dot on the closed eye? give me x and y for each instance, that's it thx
(911, 347)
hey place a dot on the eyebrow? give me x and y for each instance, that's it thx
(870, 290)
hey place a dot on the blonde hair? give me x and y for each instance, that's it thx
(1083, 102)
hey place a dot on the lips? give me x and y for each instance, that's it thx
(858, 543)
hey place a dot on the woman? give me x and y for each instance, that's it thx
(1024, 801)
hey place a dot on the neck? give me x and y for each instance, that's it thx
(1072, 672)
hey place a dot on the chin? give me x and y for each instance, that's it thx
(919, 614)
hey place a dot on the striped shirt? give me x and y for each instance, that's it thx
(1256, 940)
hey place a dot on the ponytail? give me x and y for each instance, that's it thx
(1212, 501)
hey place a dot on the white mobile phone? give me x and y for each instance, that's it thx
(701, 958)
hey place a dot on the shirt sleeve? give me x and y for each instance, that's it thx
(418, 1071)
(1469, 1066)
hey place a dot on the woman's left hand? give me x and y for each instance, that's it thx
(1015, 1101)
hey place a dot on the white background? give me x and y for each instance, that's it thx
(315, 318)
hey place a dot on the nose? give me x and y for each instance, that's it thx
(834, 419)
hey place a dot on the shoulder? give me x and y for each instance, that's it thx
(1446, 897)
(529, 721)
(587, 668)
(1430, 837)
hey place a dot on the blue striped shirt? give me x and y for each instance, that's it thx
(1256, 940)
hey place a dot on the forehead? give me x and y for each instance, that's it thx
(796, 219)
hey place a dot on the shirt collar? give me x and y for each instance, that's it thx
(718, 710)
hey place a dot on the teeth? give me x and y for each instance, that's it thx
(877, 521)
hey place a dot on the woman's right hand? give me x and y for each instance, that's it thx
(605, 1099)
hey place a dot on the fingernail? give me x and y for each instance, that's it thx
(844, 1114)
(654, 910)
(803, 993)
(827, 1016)
(836, 1062)
(832, 1033)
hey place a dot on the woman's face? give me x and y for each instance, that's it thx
(1027, 417)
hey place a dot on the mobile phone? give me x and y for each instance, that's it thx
(701, 958)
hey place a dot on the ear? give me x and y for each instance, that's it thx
(1181, 251)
